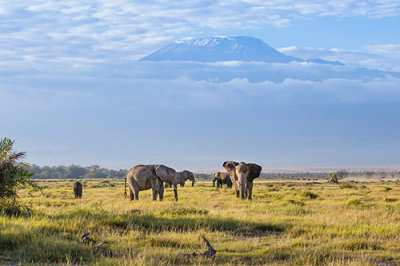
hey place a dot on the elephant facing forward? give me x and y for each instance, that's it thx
(143, 177)
(222, 178)
(242, 176)
(78, 190)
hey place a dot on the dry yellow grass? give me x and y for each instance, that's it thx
(288, 222)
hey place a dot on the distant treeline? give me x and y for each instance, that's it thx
(95, 171)
(75, 171)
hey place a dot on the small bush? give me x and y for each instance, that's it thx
(347, 185)
(391, 200)
(274, 189)
(295, 202)
(309, 194)
(386, 189)
(333, 178)
(355, 202)
(13, 174)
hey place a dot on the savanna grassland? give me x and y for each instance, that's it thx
(288, 222)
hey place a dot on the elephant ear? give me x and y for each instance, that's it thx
(230, 166)
(166, 174)
(254, 171)
(188, 175)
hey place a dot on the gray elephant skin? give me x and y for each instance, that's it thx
(78, 190)
(242, 176)
(181, 178)
(143, 177)
(222, 178)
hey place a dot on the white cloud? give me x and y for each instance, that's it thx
(86, 28)
(384, 57)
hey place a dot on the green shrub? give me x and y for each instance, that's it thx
(333, 178)
(347, 185)
(295, 202)
(309, 194)
(355, 202)
(391, 200)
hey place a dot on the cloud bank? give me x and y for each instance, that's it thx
(83, 31)
(383, 57)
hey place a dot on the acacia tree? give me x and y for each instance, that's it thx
(13, 172)
(333, 178)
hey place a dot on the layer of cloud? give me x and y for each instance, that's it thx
(383, 57)
(54, 30)
(188, 84)
(95, 117)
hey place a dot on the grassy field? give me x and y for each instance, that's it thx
(288, 222)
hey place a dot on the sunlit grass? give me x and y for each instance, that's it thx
(288, 222)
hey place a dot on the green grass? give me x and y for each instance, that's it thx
(288, 222)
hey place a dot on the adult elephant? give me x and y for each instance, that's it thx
(78, 190)
(242, 176)
(181, 178)
(143, 177)
(222, 178)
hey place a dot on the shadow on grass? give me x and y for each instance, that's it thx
(149, 222)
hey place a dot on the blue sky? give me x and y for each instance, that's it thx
(72, 90)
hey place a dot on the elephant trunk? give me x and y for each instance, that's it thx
(242, 191)
(193, 183)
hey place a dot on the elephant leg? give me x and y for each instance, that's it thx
(237, 193)
(213, 183)
(154, 188)
(161, 195)
(137, 195)
(132, 196)
(154, 194)
(250, 188)
(134, 188)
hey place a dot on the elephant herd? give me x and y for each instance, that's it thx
(144, 177)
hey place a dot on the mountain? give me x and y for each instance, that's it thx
(230, 48)
(321, 61)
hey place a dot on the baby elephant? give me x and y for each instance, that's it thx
(78, 190)
(222, 178)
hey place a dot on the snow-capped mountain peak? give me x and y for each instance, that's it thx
(220, 48)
